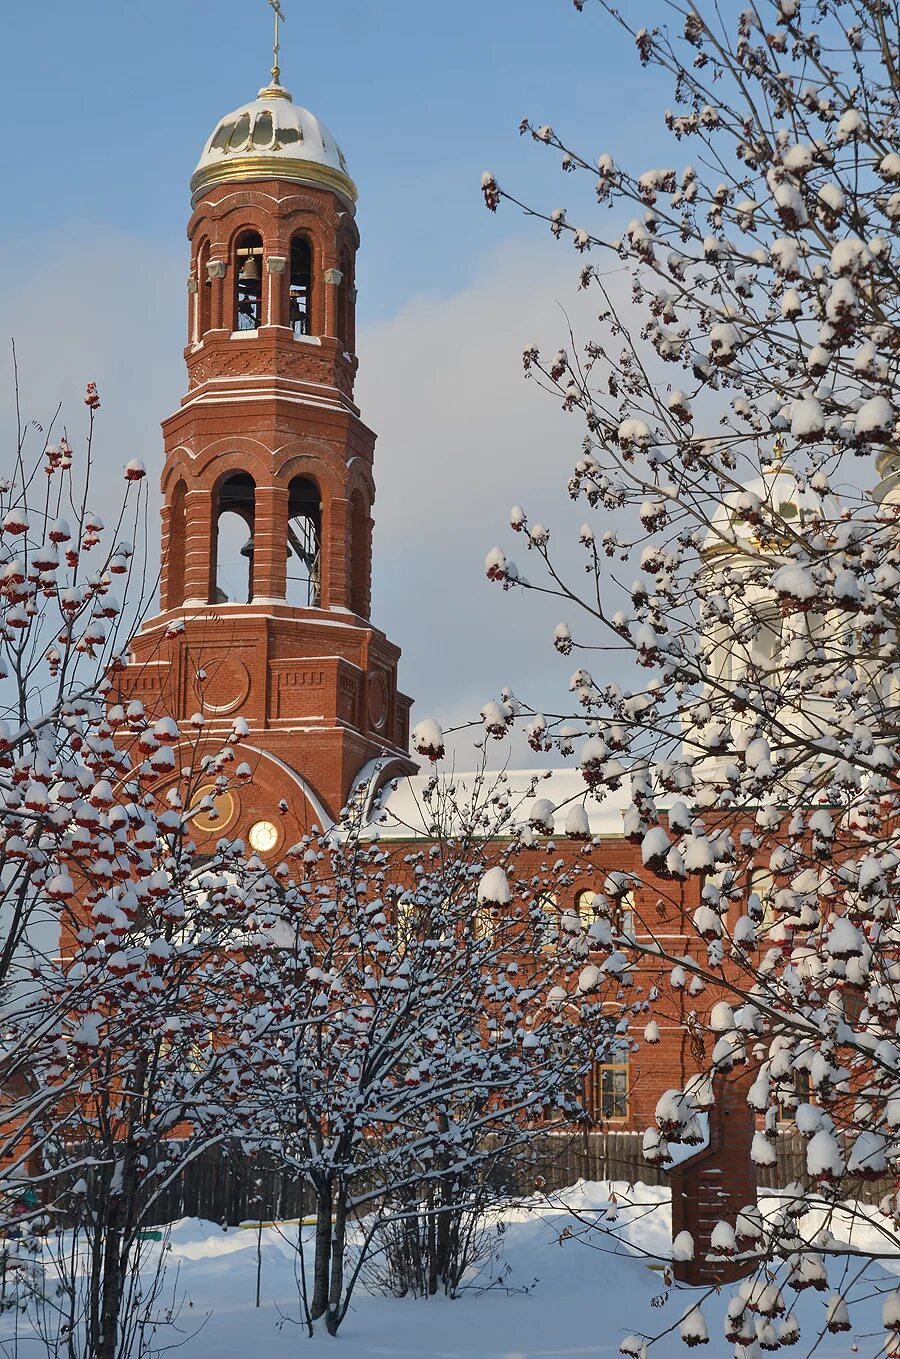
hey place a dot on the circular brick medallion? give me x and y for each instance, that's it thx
(227, 685)
(378, 701)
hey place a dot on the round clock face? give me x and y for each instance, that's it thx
(224, 805)
(263, 836)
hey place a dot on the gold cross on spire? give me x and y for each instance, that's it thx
(276, 46)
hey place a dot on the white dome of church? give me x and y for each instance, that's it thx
(273, 138)
(777, 497)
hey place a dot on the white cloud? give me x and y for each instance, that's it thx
(462, 437)
(103, 308)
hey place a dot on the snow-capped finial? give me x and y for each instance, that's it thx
(779, 451)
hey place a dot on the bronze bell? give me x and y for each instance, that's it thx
(250, 270)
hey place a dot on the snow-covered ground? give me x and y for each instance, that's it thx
(548, 1291)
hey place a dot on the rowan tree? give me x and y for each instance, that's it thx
(124, 954)
(421, 1026)
(740, 587)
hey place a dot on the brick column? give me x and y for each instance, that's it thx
(716, 1183)
(193, 310)
(168, 547)
(331, 278)
(361, 525)
(276, 288)
(270, 522)
(218, 276)
(364, 567)
(336, 582)
(199, 554)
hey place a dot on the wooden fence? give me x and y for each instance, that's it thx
(790, 1168)
(226, 1185)
(229, 1187)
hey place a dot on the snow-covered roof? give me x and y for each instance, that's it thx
(403, 811)
(777, 492)
(273, 138)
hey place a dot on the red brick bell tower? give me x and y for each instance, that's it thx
(268, 483)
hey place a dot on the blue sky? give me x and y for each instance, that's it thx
(107, 109)
(114, 101)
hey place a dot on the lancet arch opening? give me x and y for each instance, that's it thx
(248, 281)
(204, 291)
(300, 287)
(235, 517)
(304, 545)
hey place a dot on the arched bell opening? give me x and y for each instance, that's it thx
(765, 649)
(235, 515)
(248, 281)
(301, 287)
(304, 557)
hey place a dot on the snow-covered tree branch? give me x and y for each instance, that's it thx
(741, 559)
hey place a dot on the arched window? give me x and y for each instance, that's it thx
(204, 291)
(584, 905)
(360, 554)
(548, 919)
(621, 911)
(248, 281)
(761, 898)
(765, 649)
(233, 563)
(175, 548)
(483, 925)
(304, 544)
(405, 921)
(301, 286)
(799, 1092)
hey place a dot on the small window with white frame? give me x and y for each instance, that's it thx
(609, 1093)
(787, 1107)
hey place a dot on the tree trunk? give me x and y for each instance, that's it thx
(123, 1213)
(445, 1198)
(431, 1281)
(109, 1317)
(323, 1248)
(334, 1315)
(92, 1320)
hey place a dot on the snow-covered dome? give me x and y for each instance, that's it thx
(776, 495)
(273, 138)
